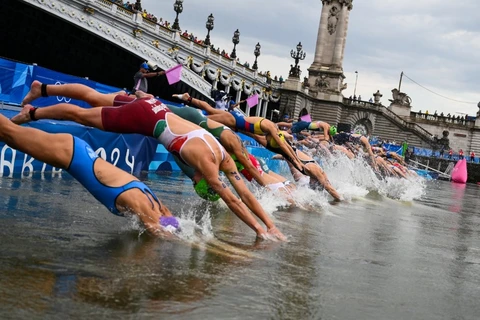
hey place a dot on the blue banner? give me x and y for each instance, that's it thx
(16, 79)
(130, 152)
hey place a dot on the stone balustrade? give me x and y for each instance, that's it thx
(468, 122)
(162, 46)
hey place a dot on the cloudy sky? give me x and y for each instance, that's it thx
(434, 42)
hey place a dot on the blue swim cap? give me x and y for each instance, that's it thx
(144, 66)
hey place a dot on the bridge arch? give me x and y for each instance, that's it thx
(362, 122)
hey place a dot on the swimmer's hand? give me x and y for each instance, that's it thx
(335, 201)
(276, 234)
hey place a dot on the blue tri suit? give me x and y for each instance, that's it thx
(299, 126)
(82, 168)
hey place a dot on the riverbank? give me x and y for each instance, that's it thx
(441, 164)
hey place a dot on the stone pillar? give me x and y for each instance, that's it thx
(325, 75)
(259, 107)
(341, 35)
(265, 107)
(238, 96)
(322, 34)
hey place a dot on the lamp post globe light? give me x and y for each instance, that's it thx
(178, 7)
(209, 25)
(256, 52)
(298, 55)
(235, 40)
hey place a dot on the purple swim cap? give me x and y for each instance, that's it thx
(169, 221)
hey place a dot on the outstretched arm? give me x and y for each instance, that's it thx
(241, 154)
(210, 172)
(237, 104)
(276, 134)
(284, 124)
(153, 74)
(326, 130)
(367, 146)
(228, 167)
(197, 103)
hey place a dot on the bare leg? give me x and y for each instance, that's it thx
(54, 149)
(63, 111)
(198, 103)
(140, 94)
(71, 90)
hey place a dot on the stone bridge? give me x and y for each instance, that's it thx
(163, 47)
(395, 122)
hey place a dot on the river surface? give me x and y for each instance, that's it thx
(64, 256)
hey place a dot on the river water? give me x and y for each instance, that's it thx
(402, 251)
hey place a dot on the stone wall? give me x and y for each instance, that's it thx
(473, 169)
(460, 136)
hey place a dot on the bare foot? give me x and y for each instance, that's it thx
(140, 94)
(34, 93)
(183, 97)
(23, 116)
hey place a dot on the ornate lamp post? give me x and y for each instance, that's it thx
(209, 26)
(178, 7)
(235, 40)
(298, 55)
(256, 52)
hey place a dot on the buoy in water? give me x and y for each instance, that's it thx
(459, 173)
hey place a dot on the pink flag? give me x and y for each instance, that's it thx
(306, 118)
(174, 74)
(252, 101)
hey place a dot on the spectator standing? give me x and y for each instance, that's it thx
(472, 156)
(450, 154)
(140, 78)
(460, 154)
(221, 99)
(442, 151)
(138, 6)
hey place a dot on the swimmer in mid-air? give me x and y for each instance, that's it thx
(116, 189)
(147, 116)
